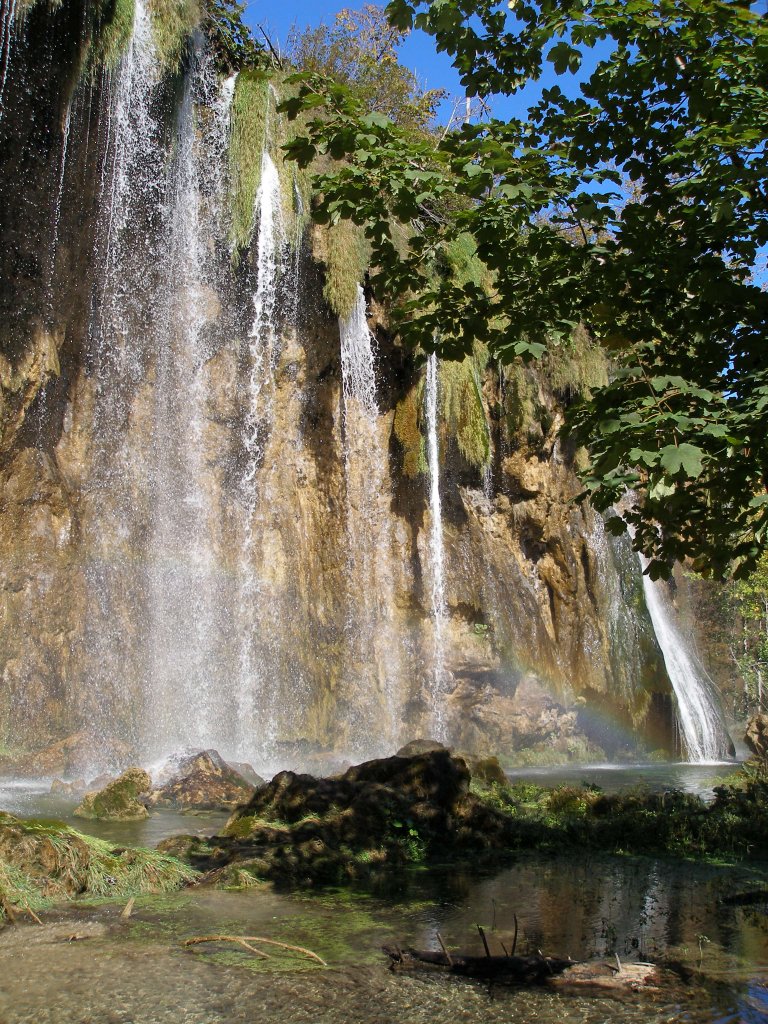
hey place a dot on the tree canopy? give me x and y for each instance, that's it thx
(360, 49)
(630, 198)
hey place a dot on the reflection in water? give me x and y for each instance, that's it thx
(690, 778)
(30, 800)
(137, 971)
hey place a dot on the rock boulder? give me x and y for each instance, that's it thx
(120, 800)
(204, 781)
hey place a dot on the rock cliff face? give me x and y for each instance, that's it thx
(207, 537)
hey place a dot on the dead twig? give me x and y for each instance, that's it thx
(31, 913)
(128, 908)
(247, 939)
(485, 941)
(442, 946)
(229, 938)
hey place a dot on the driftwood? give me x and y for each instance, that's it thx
(590, 977)
(510, 970)
(246, 940)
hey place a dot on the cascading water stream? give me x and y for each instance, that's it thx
(701, 722)
(436, 552)
(370, 568)
(255, 716)
(57, 204)
(184, 600)
(7, 28)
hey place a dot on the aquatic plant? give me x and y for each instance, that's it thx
(42, 862)
(576, 367)
(345, 254)
(111, 37)
(461, 405)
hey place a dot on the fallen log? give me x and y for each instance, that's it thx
(511, 970)
(585, 977)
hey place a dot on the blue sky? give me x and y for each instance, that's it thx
(433, 69)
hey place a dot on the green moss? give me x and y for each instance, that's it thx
(173, 22)
(463, 410)
(463, 263)
(407, 429)
(345, 254)
(575, 368)
(112, 36)
(250, 110)
(520, 392)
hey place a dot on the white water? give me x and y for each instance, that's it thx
(7, 28)
(184, 602)
(372, 638)
(358, 370)
(57, 205)
(256, 718)
(701, 721)
(436, 554)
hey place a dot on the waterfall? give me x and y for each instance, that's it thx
(436, 553)
(121, 343)
(373, 639)
(57, 206)
(701, 720)
(185, 705)
(7, 26)
(256, 715)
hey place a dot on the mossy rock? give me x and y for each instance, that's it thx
(205, 782)
(119, 801)
(376, 816)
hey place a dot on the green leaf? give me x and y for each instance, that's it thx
(685, 457)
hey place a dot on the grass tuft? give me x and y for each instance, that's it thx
(43, 862)
(251, 105)
(345, 252)
(407, 428)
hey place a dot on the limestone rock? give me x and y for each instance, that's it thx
(390, 810)
(205, 781)
(119, 801)
(419, 747)
(248, 772)
(756, 736)
(75, 788)
(65, 757)
(487, 769)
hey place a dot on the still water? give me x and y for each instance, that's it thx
(690, 778)
(91, 965)
(87, 964)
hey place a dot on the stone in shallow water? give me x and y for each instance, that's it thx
(120, 800)
(205, 781)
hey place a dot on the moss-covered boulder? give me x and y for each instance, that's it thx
(119, 801)
(419, 746)
(205, 781)
(42, 862)
(383, 813)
